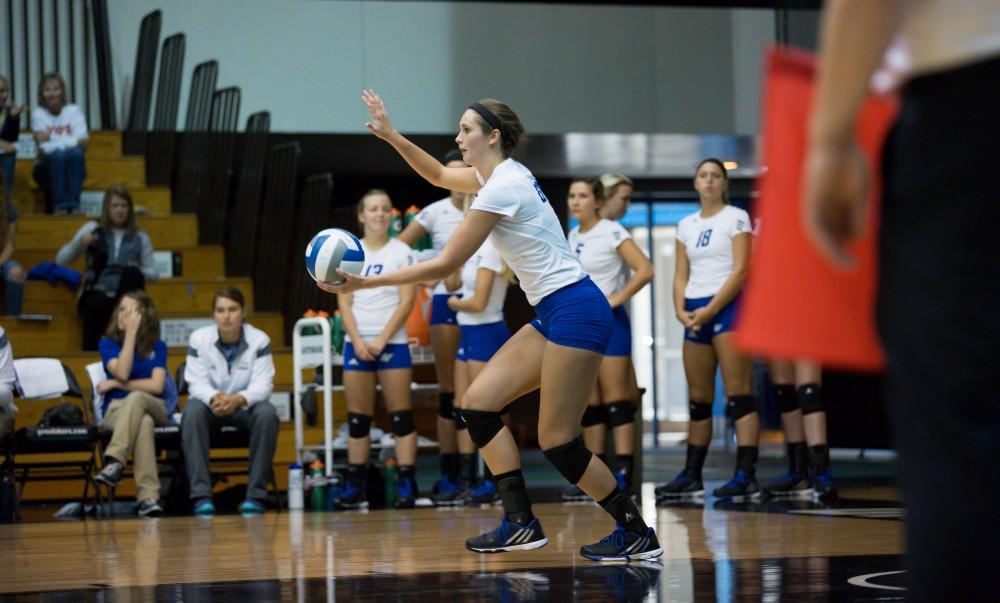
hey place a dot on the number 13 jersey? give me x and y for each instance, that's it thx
(372, 308)
(709, 246)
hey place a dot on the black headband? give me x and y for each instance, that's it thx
(488, 116)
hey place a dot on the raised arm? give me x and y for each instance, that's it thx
(422, 162)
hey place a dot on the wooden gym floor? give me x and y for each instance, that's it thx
(713, 551)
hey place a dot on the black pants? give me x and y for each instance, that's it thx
(96, 308)
(939, 294)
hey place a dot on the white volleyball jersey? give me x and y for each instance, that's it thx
(598, 252)
(529, 236)
(709, 246)
(372, 308)
(440, 219)
(486, 257)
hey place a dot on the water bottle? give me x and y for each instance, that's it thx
(295, 487)
(390, 483)
(318, 485)
(337, 332)
(395, 223)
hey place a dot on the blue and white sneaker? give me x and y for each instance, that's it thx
(623, 545)
(352, 496)
(790, 485)
(743, 487)
(449, 493)
(252, 507)
(484, 493)
(204, 507)
(822, 486)
(406, 493)
(684, 486)
(509, 536)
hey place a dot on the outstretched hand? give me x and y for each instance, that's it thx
(379, 125)
(351, 283)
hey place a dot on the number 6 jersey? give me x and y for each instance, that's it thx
(709, 246)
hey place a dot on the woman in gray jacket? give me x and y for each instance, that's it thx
(119, 259)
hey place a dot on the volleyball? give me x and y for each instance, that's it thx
(333, 249)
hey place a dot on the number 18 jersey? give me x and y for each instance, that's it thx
(709, 246)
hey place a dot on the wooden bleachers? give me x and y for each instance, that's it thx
(40, 236)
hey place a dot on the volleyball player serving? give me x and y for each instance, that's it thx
(560, 351)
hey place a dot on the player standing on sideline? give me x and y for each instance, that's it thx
(609, 255)
(713, 250)
(440, 219)
(560, 351)
(375, 322)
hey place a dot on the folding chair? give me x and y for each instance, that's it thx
(227, 437)
(49, 380)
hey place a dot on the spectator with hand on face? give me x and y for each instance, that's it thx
(138, 396)
(230, 375)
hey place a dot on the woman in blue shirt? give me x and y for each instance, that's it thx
(137, 397)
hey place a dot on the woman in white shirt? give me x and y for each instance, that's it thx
(61, 133)
(621, 270)
(713, 250)
(377, 345)
(560, 351)
(439, 220)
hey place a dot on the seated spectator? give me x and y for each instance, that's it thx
(230, 375)
(7, 378)
(10, 126)
(12, 273)
(137, 397)
(61, 133)
(119, 259)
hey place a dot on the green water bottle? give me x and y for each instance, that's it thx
(318, 475)
(390, 483)
(337, 332)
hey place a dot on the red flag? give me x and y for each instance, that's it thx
(797, 305)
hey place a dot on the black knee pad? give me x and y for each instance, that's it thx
(787, 400)
(811, 398)
(358, 425)
(621, 413)
(446, 405)
(456, 415)
(483, 425)
(699, 411)
(741, 406)
(402, 423)
(594, 415)
(571, 459)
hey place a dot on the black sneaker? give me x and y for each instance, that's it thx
(683, 486)
(790, 485)
(573, 493)
(741, 488)
(150, 508)
(623, 545)
(449, 493)
(111, 475)
(353, 496)
(509, 536)
(406, 493)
